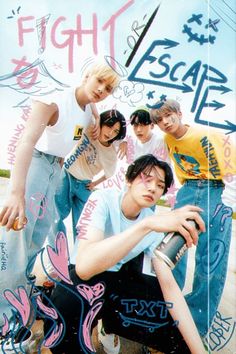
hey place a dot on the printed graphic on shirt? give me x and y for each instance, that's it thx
(91, 154)
(187, 163)
(210, 154)
(78, 132)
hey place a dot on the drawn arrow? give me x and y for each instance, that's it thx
(216, 104)
(228, 126)
(166, 43)
(231, 127)
(222, 88)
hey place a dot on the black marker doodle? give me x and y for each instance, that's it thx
(131, 40)
(13, 12)
(146, 28)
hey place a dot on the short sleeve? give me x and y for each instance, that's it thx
(95, 213)
(109, 162)
(155, 240)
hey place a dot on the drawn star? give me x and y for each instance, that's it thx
(163, 97)
(150, 94)
(195, 18)
(213, 24)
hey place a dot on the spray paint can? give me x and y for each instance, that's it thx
(172, 247)
(15, 225)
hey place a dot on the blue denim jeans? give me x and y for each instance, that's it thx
(211, 259)
(71, 196)
(22, 246)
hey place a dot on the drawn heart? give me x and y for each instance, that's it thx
(60, 257)
(91, 293)
(20, 301)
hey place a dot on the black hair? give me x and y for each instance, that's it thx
(146, 163)
(140, 116)
(111, 117)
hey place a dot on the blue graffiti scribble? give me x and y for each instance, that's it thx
(212, 24)
(220, 332)
(127, 321)
(199, 38)
(150, 94)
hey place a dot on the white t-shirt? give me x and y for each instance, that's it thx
(59, 139)
(89, 157)
(103, 211)
(155, 146)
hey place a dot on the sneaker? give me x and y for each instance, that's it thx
(148, 350)
(110, 342)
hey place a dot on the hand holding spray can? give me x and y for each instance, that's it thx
(173, 247)
(15, 225)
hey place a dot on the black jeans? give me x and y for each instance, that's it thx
(130, 304)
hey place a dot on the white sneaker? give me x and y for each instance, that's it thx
(110, 342)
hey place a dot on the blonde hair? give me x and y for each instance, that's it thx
(104, 71)
(163, 107)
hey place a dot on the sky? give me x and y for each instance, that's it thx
(187, 53)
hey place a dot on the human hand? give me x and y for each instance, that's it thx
(91, 186)
(95, 132)
(14, 207)
(178, 220)
(122, 151)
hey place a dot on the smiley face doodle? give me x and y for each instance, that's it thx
(200, 38)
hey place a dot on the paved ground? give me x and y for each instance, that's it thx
(222, 337)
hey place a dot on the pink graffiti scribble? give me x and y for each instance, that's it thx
(161, 153)
(170, 200)
(20, 301)
(5, 327)
(54, 336)
(130, 149)
(88, 323)
(172, 189)
(91, 293)
(51, 312)
(144, 179)
(111, 23)
(30, 73)
(60, 257)
(38, 205)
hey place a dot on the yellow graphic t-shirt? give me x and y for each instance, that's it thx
(202, 154)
